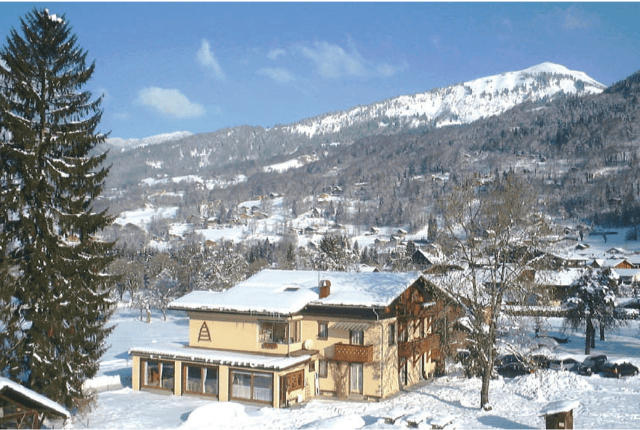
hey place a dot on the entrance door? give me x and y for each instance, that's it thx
(356, 376)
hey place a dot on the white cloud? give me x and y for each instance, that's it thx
(388, 70)
(275, 53)
(169, 102)
(435, 41)
(333, 62)
(575, 18)
(207, 59)
(278, 74)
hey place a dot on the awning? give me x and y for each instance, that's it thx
(355, 326)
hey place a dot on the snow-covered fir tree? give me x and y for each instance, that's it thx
(54, 295)
(592, 302)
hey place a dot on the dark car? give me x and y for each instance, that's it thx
(618, 370)
(540, 361)
(514, 369)
(592, 364)
(508, 359)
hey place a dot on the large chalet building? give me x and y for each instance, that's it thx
(283, 337)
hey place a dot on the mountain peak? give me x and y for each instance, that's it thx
(458, 103)
(548, 67)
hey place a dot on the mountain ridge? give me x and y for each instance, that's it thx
(447, 103)
(247, 147)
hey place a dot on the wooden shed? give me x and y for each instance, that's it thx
(559, 414)
(21, 407)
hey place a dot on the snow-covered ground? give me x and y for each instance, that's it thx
(517, 402)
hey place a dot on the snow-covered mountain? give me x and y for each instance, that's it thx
(459, 103)
(182, 154)
(125, 144)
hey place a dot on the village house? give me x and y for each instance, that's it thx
(284, 337)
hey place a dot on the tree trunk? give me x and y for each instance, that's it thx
(602, 332)
(587, 339)
(484, 391)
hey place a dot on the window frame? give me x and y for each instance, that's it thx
(144, 374)
(185, 379)
(392, 334)
(359, 341)
(252, 386)
(288, 332)
(323, 330)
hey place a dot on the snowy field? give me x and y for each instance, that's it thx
(517, 402)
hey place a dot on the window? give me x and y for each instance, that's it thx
(257, 387)
(392, 334)
(158, 374)
(278, 332)
(241, 385)
(356, 337)
(200, 380)
(429, 325)
(403, 333)
(323, 368)
(295, 331)
(323, 330)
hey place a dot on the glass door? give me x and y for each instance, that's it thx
(356, 377)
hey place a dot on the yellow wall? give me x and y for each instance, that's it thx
(135, 373)
(234, 333)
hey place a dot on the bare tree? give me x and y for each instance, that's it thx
(130, 276)
(493, 230)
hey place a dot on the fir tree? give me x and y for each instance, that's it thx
(54, 296)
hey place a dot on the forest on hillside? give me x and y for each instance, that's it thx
(580, 153)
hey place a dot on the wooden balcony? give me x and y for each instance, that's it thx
(418, 347)
(353, 353)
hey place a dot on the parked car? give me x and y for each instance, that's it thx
(508, 359)
(540, 361)
(592, 364)
(514, 369)
(618, 370)
(567, 363)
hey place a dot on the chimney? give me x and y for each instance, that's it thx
(325, 288)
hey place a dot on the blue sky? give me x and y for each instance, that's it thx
(200, 67)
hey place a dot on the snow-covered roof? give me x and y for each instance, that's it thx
(627, 273)
(564, 277)
(180, 352)
(288, 292)
(46, 403)
(560, 406)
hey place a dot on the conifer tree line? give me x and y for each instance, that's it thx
(54, 295)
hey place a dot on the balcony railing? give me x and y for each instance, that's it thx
(353, 353)
(418, 347)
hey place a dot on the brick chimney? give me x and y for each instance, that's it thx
(325, 288)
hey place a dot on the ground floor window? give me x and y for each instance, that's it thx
(252, 386)
(200, 380)
(158, 374)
